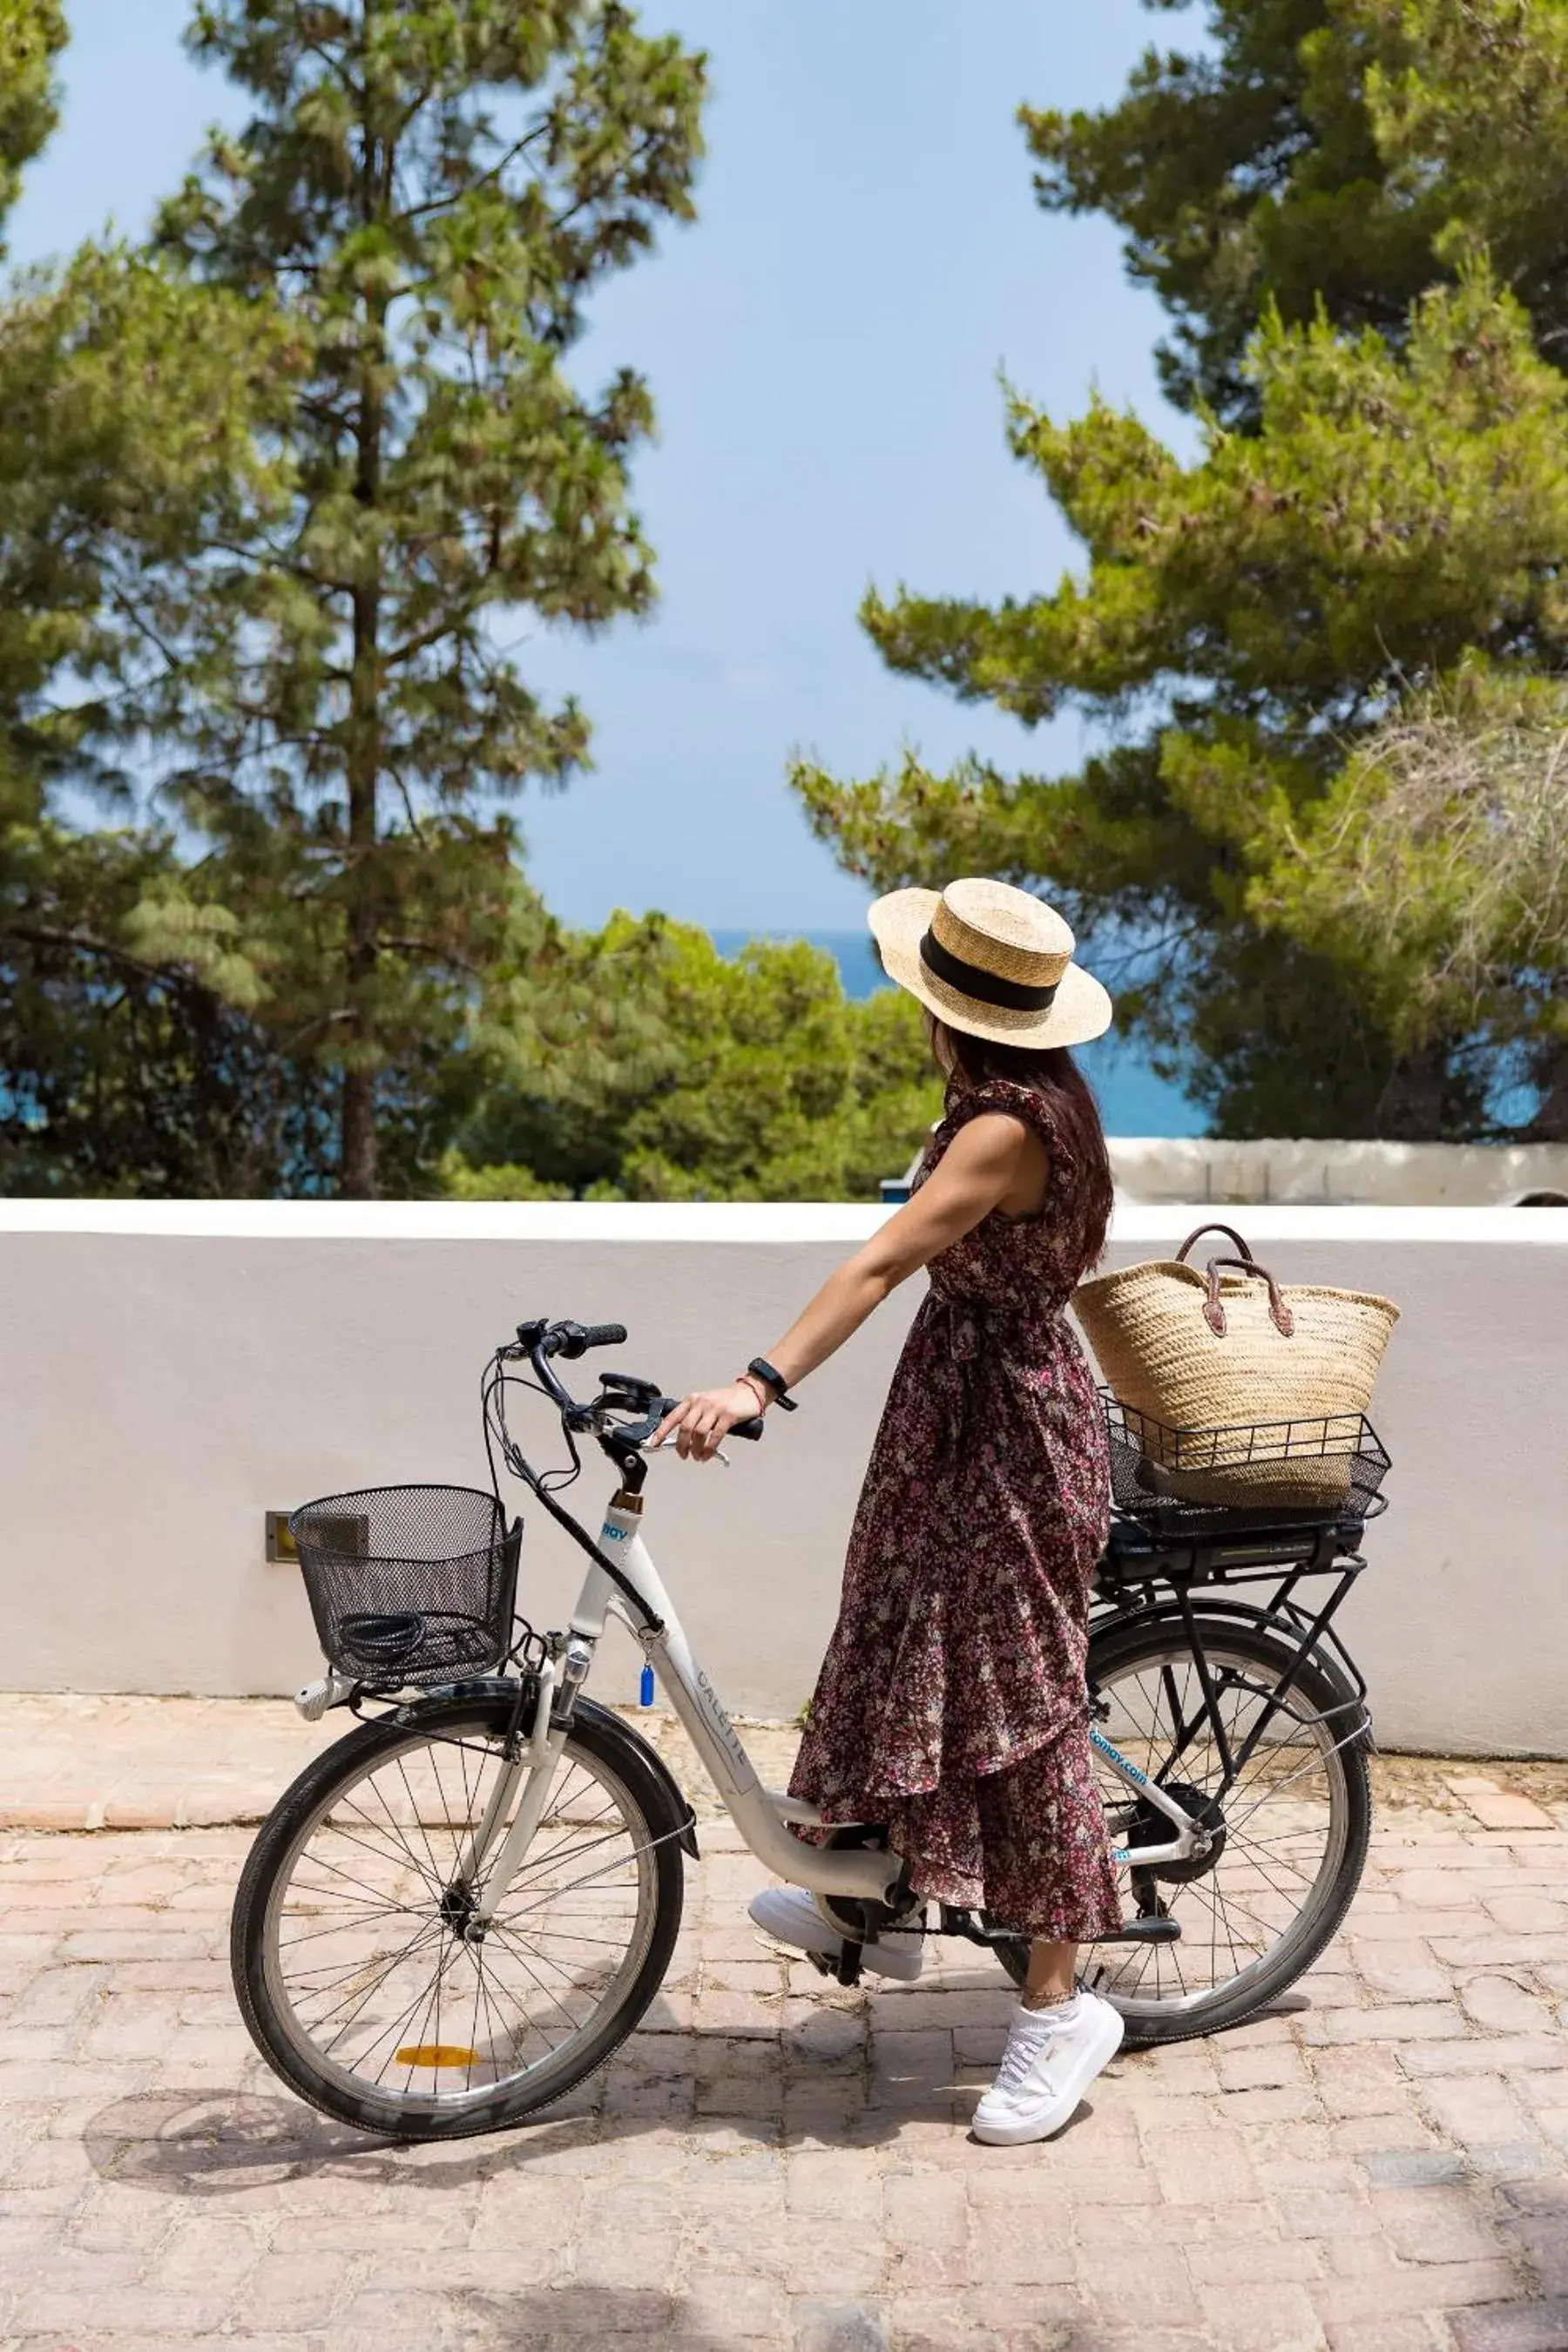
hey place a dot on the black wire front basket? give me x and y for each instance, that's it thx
(410, 1585)
(1330, 1467)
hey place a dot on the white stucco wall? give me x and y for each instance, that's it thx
(169, 1371)
(1372, 1175)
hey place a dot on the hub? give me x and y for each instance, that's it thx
(1150, 1826)
(458, 1911)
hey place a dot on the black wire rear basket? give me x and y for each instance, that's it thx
(1250, 1474)
(409, 1585)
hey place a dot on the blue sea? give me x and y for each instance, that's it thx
(1133, 1100)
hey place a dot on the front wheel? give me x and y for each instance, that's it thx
(1289, 1830)
(355, 1957)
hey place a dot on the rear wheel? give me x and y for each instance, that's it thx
(1290, 1836)
(357, 1962)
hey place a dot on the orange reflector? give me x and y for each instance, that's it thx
(436, 2053)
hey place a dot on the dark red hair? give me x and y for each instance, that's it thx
(1050, 1071)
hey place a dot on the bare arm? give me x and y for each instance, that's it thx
(978, 1170)
(977, 1173)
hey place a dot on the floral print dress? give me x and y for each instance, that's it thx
(952, 1703)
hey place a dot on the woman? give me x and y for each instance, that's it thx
(952, 1703)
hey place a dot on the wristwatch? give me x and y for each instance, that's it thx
(775, 1380)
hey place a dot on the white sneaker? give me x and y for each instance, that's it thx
(1052, 2057)
(789, 1913)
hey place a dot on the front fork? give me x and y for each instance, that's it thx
(561, 1676)
(479, 1886)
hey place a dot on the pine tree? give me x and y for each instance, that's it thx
(1247, 173)
(1333, 155)
(1378, 505)
(1436, 868)
(31, 35)
(133, 414)
(422, 202)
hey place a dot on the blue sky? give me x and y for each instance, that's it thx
(824, 347)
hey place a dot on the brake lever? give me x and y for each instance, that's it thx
(671, 1445)
(667, 1404)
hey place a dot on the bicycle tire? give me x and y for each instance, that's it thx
(613, 1754)
(1321, 1689)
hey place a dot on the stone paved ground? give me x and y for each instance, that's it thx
(770, 2164)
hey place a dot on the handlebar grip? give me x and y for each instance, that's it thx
(752, 1428)
(574, 1340)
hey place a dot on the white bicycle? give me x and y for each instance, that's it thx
(461, 1909)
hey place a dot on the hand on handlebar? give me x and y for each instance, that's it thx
(701, 1421)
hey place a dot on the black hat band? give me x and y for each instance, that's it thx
(986, 987)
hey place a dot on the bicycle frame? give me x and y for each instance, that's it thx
(761, 1815)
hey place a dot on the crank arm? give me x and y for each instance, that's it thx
(1148, 1929)
(1145, 1929)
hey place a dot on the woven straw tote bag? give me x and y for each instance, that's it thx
(1231, 1349)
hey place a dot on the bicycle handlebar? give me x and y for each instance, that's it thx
(752, 1428)
(604, 1335)
(539, 1341)
(574, 1340)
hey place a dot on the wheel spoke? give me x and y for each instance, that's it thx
(373, 1982)
(1281, 1827)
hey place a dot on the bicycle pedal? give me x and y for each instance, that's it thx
(1146, 1931)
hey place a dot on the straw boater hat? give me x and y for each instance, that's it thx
(991, 961)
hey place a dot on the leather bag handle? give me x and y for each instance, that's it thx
(1228, 1231)
(1214, 1307)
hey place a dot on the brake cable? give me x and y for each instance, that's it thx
(492, 1396)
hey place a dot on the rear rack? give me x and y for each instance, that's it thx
(1138, 1554)
(1141, 1574)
